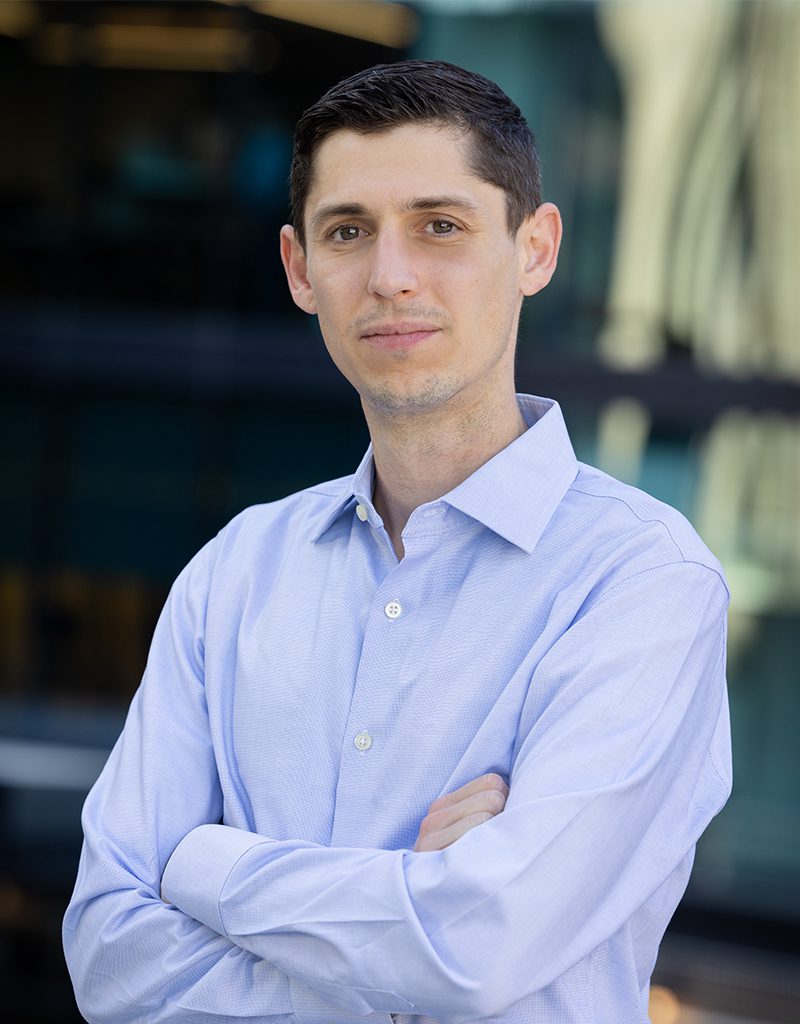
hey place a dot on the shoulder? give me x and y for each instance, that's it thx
(626, 531)
(297, 518)
(266, 531)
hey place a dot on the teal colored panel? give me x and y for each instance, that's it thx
(133, 490)
(669, 473)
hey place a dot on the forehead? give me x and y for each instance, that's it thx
(390, 167)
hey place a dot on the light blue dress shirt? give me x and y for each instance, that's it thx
(307, 697)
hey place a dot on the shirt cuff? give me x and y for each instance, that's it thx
(197, 871)
(312, 1008)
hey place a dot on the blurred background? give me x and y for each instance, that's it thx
(155, 379)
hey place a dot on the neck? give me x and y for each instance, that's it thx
(420, 457)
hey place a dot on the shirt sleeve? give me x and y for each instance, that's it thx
(623, 758)
(132, 957)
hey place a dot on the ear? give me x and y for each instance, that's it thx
(539, 237)
(294, 263)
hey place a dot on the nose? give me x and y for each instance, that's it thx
(392, 268)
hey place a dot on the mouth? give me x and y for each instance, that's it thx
(399, 335)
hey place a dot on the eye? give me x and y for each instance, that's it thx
(442, 227)
(345, 233)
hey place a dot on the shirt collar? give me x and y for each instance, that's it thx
(356, 489)
(514, 494)
(517, 491)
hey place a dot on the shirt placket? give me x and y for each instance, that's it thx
(392, 625)
(362, 758)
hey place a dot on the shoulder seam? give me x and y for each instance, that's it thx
(633, 512)
(660, 522)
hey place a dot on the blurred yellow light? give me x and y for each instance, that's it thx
(18, 19)
(388, 24)
(12, 903)
(57, 44)
(151, 47)
(172, 47)
(664, 1006)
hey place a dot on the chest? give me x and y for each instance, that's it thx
(348, 693)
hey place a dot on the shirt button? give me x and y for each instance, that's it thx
(393, 610)
(362, 513)
(363, 741)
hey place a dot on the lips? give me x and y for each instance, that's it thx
(399, 334)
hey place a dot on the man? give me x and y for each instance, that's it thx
(306, 817)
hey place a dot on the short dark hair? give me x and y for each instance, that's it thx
(502, 150)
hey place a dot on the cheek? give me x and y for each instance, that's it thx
(335, 296)
(495, 304)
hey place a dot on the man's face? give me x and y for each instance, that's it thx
(410, 268)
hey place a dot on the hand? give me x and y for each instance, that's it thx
(452, 815)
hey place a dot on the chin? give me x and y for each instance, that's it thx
(433, 394)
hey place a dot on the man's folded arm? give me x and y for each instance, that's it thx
(623, 759)
(132, 957)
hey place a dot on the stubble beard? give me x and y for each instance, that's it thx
(431, 394)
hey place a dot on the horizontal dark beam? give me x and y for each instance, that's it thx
(675, 392)
(215, 357)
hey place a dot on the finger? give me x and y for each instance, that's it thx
(490, 781)
(445, 837)
(490, 801)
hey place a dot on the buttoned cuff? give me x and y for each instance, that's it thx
(197, 871)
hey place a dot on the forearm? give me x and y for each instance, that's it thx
(133, 959)
(336, 918)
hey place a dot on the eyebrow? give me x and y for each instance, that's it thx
(326, 213)
(334, 210)
(439, 202)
